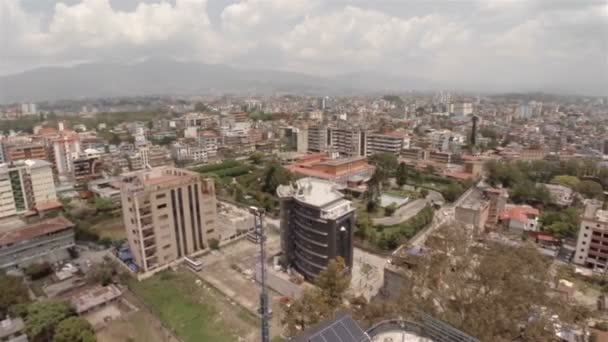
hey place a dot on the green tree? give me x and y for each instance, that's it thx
(256, 157)
(334, 282)
(590, 189)
(13, 292)
(214, 244)
(43, 317)
(103, 204)
(401, 174)
(274, 175)
(566, 180)
(385, 163)
(390, 210)
(74, 329)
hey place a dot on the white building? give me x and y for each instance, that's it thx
(461, 108)
(25, 185)
(386, 143)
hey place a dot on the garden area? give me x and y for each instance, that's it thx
(193, 310)
(251, 184)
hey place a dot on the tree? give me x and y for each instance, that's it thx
(321, 302)
(390, 210)
(200, 107)
(74, 329)
(214, 244)
(274, 175)
(334, 282)
(502, 296)
(401, 174)
(43, 318)
(14, 292)
(385, 163)
(590, 189)
(424, 192)
(565, 180)
(562, 223)
(103, 204)
(256, 157)
(38, 270)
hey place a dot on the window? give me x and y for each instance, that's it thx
(163, 217)
(159, 196)
(161, 206)
(210, 231)
(167, 246)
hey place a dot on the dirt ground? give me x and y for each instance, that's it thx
(113, 229)
(228, 271)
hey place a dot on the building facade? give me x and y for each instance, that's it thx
(317, 225)
(592, 242)
(25, 185)
(168, 214)
(386, 143)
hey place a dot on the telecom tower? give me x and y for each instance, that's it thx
(258, 216)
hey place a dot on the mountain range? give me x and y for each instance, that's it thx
(169, 77)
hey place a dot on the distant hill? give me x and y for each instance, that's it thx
(168, 77)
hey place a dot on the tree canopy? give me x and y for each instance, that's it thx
(14, 292)
(590, 189)
(566, 180)
(74, 329)
(274, 175)
(43, 318)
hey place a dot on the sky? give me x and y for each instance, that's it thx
(525, 45)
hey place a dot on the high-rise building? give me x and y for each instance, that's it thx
(168, 214)
(318, 138)
(592, 242)
(15, 151)
(316, 225)
(25, 185)
(461, 108)
(386, 143)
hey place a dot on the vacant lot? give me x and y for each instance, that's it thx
(195, 312)
(138, 327)
(112, 228)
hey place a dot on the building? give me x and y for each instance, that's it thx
(12, 330)
(335, 170)
(479, 207)
(560, 195)
(209, 141)
(520, 218)
(22, 151)
(47, 240)
(296, 139)
(318, 138)
(386, 143)
(86, 166)
(317, 225)
(422, 328)
(168, 214)
(592, 241)
(94, 298)
(461, 108)
(26, 185)
(349, 142)
(107, 188)
(63, 150)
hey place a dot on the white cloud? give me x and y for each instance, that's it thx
(517, 42)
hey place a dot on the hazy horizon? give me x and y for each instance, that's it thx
(558, 46)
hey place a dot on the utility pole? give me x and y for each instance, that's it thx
(258, 217)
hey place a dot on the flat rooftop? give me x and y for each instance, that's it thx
(312, 191)
(94, 297)
(475, 200)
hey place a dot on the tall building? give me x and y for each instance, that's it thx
(386, 143)
(316, 224)
(348, 141)
(168, 214)
(15, 151)
(318, 138)
(592, 242)
(26, 185)
(461, 108)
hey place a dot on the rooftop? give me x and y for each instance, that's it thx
(11, 326)
(312, 191)
(94, 297)
(31, 231)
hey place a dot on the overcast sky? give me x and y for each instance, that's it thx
(484, 44)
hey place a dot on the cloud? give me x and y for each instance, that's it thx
(508, 43)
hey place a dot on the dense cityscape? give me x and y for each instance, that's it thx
(303, 171)
(435, 213)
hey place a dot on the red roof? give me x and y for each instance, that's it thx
(519, 213)
(34, 230)
(49, 205)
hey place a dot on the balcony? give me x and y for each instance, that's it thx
(150, 252)
(145, 222)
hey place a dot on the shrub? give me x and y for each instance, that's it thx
(37, 271)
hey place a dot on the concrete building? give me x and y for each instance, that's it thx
(386, 143)
(560, 195)
(63, 150)
(335, 170)
(481, 206)
(520, 218)
(461, 108)
(46, 240)
(349, 142)
(317, 225)
(95, 298)
(168, 214)
(87, 166)
(209, 141)
(26, 185)
(12, 330)
(296, 139)
(318, 138)
(21, 151)
(592, 242)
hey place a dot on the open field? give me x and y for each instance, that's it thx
(112, 228)
(138, 327)
(195, 312)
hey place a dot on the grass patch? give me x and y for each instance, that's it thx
(193, 312)
(113, 229)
